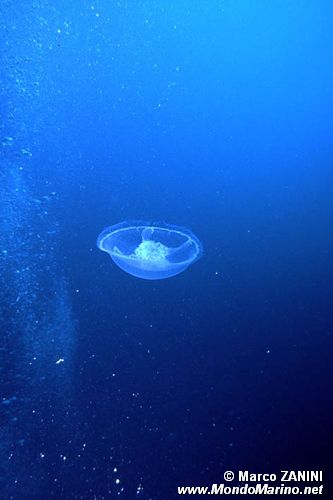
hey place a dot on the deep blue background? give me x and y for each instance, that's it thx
(212, 115)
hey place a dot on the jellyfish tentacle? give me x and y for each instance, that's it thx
(181, 247)
(116, 250)
(147, 233)
(178, 252)
(187, 243)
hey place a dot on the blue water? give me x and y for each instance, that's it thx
(215, 116)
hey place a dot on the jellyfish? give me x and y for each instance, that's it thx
(150, 251)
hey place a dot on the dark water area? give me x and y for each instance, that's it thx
(215, 116)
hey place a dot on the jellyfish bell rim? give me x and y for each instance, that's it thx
(109, 231)
(148, 270)
(153, 274)
(149, 265)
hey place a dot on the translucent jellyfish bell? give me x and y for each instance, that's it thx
(150, 251)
